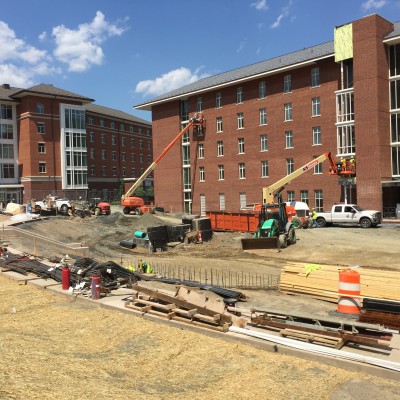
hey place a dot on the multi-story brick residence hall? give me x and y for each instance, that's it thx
(57, 142)
(267, 119)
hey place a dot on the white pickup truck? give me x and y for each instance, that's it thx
(52, 203)
(349, 214)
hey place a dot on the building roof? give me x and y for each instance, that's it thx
(50, 90)
(263, 68)
(109, 112)
(395, 33)
(7, 91)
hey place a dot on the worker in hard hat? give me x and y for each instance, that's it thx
(353, 163)
(344, 164)
(314, 218)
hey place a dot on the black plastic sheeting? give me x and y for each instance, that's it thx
(112, 275)
(381, 305)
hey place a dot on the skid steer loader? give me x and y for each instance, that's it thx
(274, 231)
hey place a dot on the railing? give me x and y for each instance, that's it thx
(389, 212)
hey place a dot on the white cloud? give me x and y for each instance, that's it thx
(12, 48)
(169, 81)
(15, 76)
(80, 48)
(285, 13)
(373, 4)
(260, 5)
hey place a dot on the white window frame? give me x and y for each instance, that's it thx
(289, 140)
(288, 112)
(287, 83)
(262, 90)
(242, 171)
(239, 95)
(200, 150)
(263, 116)
(221, 172)
(319, 200)
(315, 107)
(289, 166)
(240, 142)
(219, 124)
(317, 136)
(218, 100)
(201, 174)
(264, 142)
(264, 169)
(220, 148)
(315, 77)
(240, 120)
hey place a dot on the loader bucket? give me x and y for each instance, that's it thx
(260, 243)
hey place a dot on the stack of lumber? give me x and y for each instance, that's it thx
(322, 281)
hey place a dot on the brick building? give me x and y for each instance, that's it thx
(267, 119)
(56, 142)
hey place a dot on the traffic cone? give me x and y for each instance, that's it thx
(199, 238)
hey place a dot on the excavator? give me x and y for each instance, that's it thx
(275, 230)
(136, 204)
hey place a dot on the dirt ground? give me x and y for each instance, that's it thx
(54, 348)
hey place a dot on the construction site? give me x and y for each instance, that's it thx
(195, 319)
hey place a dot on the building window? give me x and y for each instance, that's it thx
(6, 112)
(317, 140)
(315, 77)
(218, 100)
(104, 170)
(201, 174)
(101, 123)
(239, 95)
(149, 159)
(113, 155)
(140, 131)
(241, 145)
(92, 153)
(263, 116)
(141, 158)
(289, 139)
(148, 145)
(219, 124)
(91, 137)
(396, 161)
(240, 120)
(123, 156)
(41, 128)
(200, 151)
(113, 140)
(140, 144)
(40, 108)
(6, 131)
(289, 166)
(222, 201)
(114, 171)
(290, 195)
(90, 120)
(123, 140)
(262, 90)
(7, 170)
(220, 148)
(263, 142)
(131, 129)
(319, 200)
(316, 107)
(133, 157)
(103, 138)
(103, 154)
(287, 83)
(199, 104)
(42, 167)
(41, 148)
(264, 169)
(288, 111)
(221, 173)
(112, 125)
(242, 171)
(317, 168)
(7, 151)
(122, 127)
(132, 142)
(304, 196)
(147, 132)
(242, 199)
(346, 140)
(92, 170)
(123, 171)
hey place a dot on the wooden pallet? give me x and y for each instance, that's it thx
(337, 343)
(149, 301)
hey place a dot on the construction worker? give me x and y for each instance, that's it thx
(344, 164)
(314, 218)
(353, 163)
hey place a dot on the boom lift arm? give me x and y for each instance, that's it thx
(196, 120)
(271, 191)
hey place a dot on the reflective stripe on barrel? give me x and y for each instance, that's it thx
(349, 285)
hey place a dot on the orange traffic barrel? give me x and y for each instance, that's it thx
(349, 292)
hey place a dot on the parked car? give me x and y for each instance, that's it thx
(349, 214)
(51, 204)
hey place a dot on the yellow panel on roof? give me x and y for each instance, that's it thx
(343, 37)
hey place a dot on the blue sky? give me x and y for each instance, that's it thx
(124, 52)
